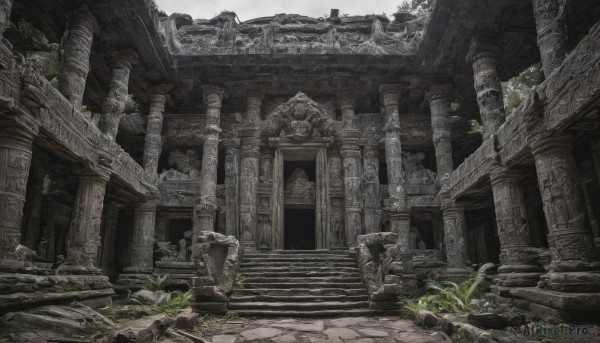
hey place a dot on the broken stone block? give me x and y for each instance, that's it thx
(426, 319)
(143, 330)
(186, 321)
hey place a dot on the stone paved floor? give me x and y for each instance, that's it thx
(339, 330)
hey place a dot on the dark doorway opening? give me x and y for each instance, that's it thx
(177, 228)
(299, 229)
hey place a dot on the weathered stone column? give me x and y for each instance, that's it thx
(439, 103)
(454, 239)
(351, 162)
(5, 10)
(232, 186)
(571, 242)
(484, 58)
(15, 161)
(83, 238)
(206, 206)
(371, 196)
(393, 157)
(552, 38)
(114, 102)
(519, 267)
(76, 47)
(142, 245)
(250, 137)
(153, 142)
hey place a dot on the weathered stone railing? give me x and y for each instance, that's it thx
(548, 100)
(35, 101)
(217, 258)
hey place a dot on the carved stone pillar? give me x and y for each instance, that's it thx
(454, 238)
(15, 161)
(206, 206)
(114, 102)
(76, 55)
(439, 103)
(142, 245)
(484, 58)
(351, 163)
(249, 172)
(552, 38)
(570, 240)
(519, 267)
(372, 208)
(232, 186)
(83, 238)
(393, 157)
(153, 142)
(5, 10)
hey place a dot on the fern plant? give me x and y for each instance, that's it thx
(452, 297)
(157, 282)
(167, 250)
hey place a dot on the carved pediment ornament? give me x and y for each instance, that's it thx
(299, 117)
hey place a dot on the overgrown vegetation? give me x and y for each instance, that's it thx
(34, 45)
(450, 297)
(167, 250)
(517, 89)
(156, 283)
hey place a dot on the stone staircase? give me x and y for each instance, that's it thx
(300, 283)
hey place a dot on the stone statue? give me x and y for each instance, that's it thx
(184, 166)
(298, 185)
(416, 241)
(414, 171)
(182, 255)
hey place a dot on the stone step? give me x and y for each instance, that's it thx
(298, 298)
(321, 256)
(313, 285)
(278, 269)
(294, 306)
(329, 264)
(288, 292)
(296, 259)
(301, 279)
(301, 252)
(306, 273)
(315, 313)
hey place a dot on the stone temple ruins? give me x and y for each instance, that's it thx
(333, 163)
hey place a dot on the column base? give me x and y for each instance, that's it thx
(67, 269)
(518, 275)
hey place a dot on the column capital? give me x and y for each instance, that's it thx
(505, 174)
(481, 48)
(125, 59)
(231, 143)
(371, 151)
(83, 17)
(390, 94)
(440, 91)
(213, 95)
(559, 142)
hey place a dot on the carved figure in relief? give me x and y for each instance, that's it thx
(335, 171)
(371, 181)
(265, 170)
(298, 185)
(299, 118)
(414, 171)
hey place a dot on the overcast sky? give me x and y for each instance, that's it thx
(249, 9)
